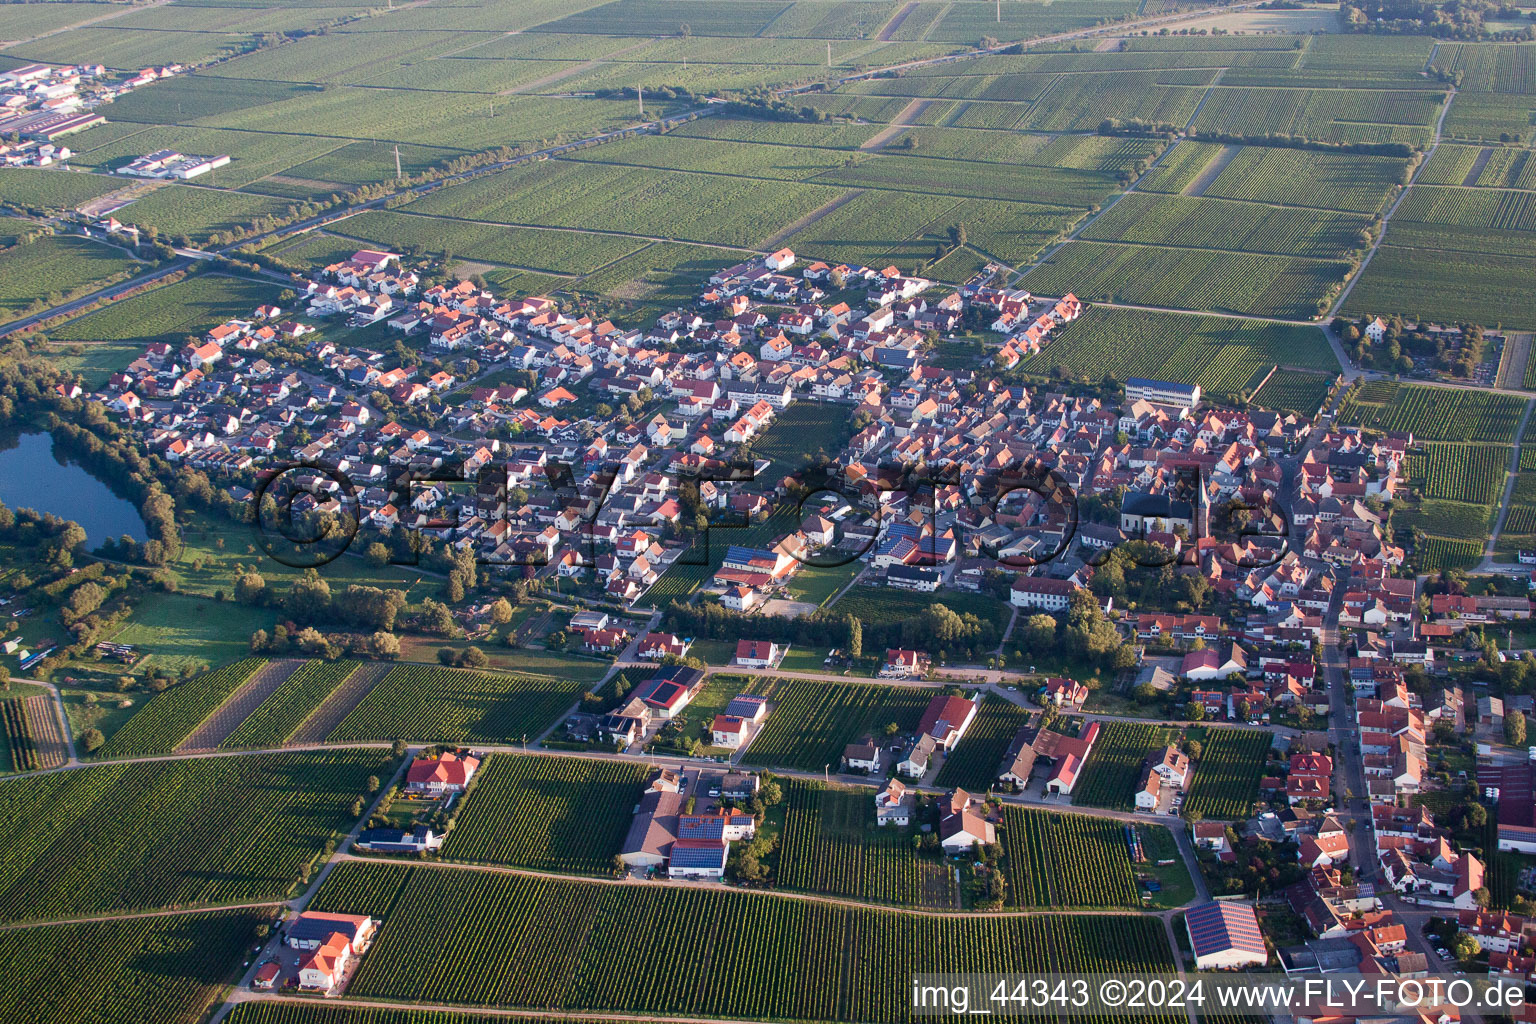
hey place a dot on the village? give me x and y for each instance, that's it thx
(566, 451)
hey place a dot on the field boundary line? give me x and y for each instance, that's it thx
(15, 926)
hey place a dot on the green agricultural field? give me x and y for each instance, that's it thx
(968, 20)
(546, 813)
(364, 887)
(443, 705)
(165, 970)
(882, 606)
(36, 19)
(1294, 391)
(1081, 102)
(276, 718)
(1221, 355)
(1300, 177)
(169, 313)
(553, 252)
(1491, 117)
(1195, 279)
(1225, 785)
(1329, 115)
(128, 49)
(1451, 519)
(1179, 167)
(254, 155)
(799, 433)
(1474, 221)
(811, 722)
(1489, 68)
(197, 211)
(170, 717)
(660, 275)
(175, 833)
(1067, 860)
(974, 764)
(628, 200)
(1446, 287)
(365, 162)
(1450, 165)
(178, 630)
(1469, 473)
(54, 268)
(1046, 186)
(1189, 222)
(1438, 553)
(777, 133)
(1114, 767)
(44, 190)
(1435, 414)
(540, 942)
(673, 152)
(831, 844)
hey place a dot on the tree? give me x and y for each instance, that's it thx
(384, 645)
(501, 611)
(474, 657)
(1514, 728)
(250, 587)
(92, 739)
(1465, 947)
(377, 554)
(1194, 711)
(373, 784)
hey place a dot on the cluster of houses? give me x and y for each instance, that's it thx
(724, 381)
(331, 944)
(666, 834)
(39, 103)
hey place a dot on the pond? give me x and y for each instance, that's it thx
(33, 475)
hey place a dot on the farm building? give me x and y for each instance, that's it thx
(439, 775)
(311, 929)
(1225, 936)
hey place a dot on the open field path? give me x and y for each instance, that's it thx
(11, 926)
(1215, 167)
(900, 123)
(325, 718)
(777, 238)
(226, 718)
(891, 26)
(1476, 170)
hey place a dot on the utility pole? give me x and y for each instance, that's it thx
(397, 161)
(829, 53)
(640, 95)
(999, 12)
